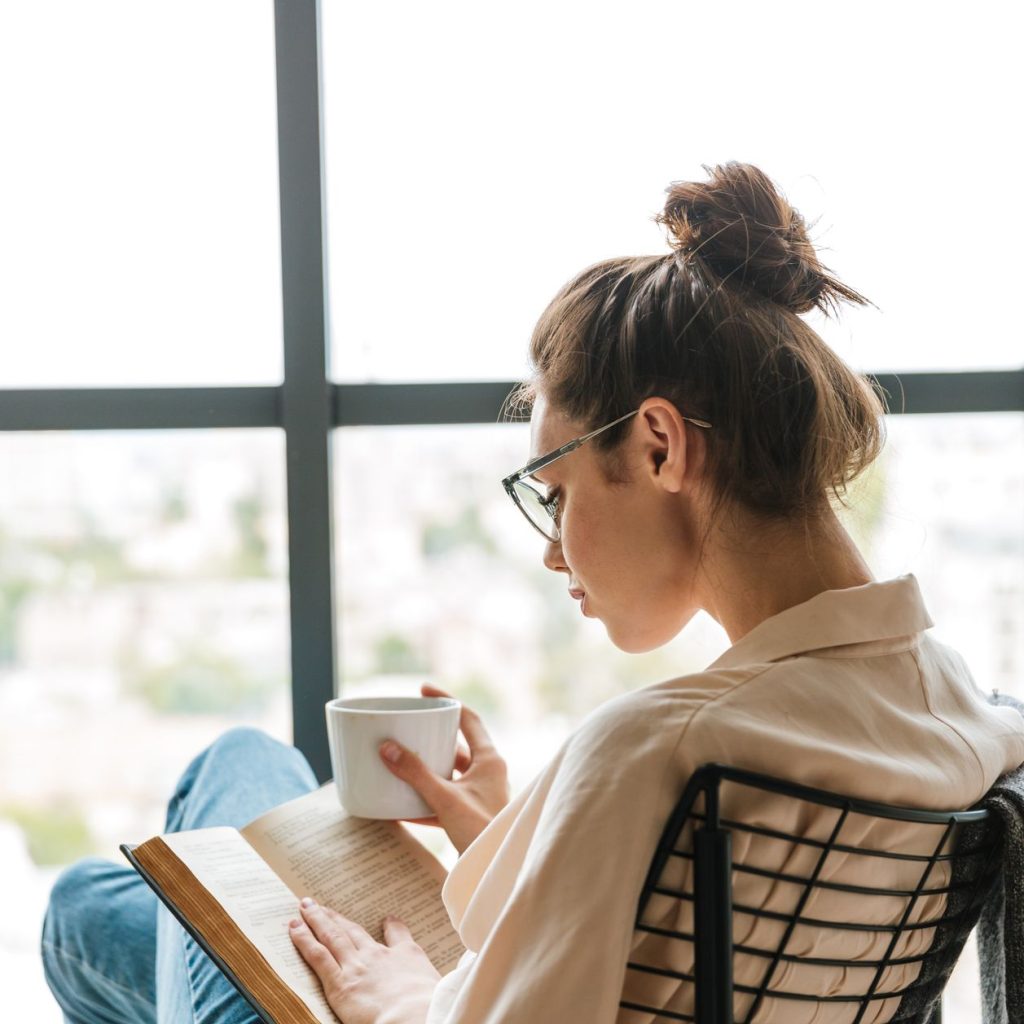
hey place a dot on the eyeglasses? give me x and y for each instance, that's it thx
(531, 496)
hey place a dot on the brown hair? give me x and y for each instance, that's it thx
(714, 326)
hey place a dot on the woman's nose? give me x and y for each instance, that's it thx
(553, 558)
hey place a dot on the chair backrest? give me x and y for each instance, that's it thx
(763, 891)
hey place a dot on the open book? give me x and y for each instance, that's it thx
(235, 890)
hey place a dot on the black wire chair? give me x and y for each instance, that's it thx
(809, 930)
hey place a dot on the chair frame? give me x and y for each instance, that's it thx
(713, 902)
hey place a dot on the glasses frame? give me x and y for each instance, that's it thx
(541, 462)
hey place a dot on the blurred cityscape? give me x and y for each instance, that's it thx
(144, 604)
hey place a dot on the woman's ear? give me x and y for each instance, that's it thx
(667, 452)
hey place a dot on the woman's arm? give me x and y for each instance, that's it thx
(550, 912)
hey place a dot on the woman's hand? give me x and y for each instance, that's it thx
(365, 981)
(463, 807)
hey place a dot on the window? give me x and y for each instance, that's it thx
(143, 611)
(139, 201)
(475, 159)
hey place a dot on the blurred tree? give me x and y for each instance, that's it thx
(395, 655)
(866, 501)
(13, 591)
(477, 693)
(249, 513)
(55, 835)
(560, 685)
(198, 681)
(105, 555)
(439, 539)
(173, 506)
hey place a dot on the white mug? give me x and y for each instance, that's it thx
(356, 728)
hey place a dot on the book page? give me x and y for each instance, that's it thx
(364, 869)
(256, 899)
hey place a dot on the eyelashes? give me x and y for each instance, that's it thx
(553, 505)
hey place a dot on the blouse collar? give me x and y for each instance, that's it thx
(834, 618)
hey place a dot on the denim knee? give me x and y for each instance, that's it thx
(246, 743)
(99, 943)
(243, 773)
(239, 747)
(70, 914)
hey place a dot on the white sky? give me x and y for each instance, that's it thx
(477, 156)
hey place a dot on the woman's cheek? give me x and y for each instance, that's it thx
(576, 545)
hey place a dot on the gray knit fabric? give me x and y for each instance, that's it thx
(1001, 928)
(963, 908)
(1000, 918)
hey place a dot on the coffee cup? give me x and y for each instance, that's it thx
(356, 728)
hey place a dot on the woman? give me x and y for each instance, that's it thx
(690, 435)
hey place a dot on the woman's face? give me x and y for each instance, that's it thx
(628, 549)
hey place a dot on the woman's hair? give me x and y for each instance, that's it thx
(715, 327)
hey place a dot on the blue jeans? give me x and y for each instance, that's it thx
(112, 953)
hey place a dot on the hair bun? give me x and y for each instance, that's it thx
(743, 229)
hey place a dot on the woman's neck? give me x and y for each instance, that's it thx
(752, 570)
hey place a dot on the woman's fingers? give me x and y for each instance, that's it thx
(315, 953)
(333, 930)
(463, 762)
(409, 768)
(469, 722)
(325, 929)
(433, 691)
(395, 931)
(476, 734)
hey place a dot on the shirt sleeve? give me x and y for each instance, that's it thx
(448, 988)
(558, 946)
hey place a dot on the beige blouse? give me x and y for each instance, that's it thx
(844, 692)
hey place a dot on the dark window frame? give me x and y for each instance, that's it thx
(308, 406)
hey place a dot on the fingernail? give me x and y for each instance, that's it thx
(307, 902)
(392, 751)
